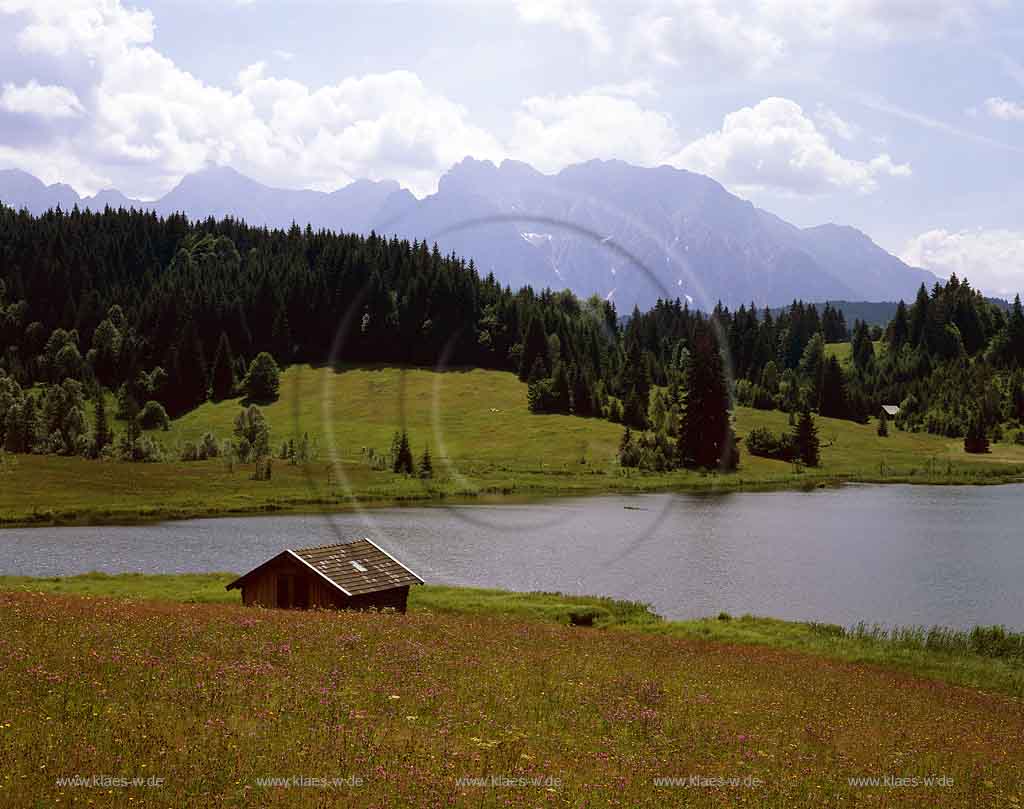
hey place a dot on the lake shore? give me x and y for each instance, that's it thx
(486, 445)
(51, 491)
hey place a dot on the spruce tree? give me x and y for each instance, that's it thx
(281, 337)
(833, 391)
(899, 329)
(535, 347)
(263, 380)
(222, 380)
(805, 437)
(426, 464)
(403, 457)
(705, 433)
(582, 397)
(976, 438)
(192, 371)
(561, 395)
(101, 430)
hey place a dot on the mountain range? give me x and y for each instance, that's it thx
(601, 227)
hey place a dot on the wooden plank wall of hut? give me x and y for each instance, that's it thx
(262, 589)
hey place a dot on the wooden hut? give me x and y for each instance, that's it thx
(354, 575)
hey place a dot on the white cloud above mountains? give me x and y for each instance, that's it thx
(775, 145)
(139, 122)
(40, 100)
(991, 259)
(552, 132)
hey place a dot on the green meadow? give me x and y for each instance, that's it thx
(484, 442)
(987, 659)
(440, 707)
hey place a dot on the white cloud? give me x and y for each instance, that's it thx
(552, 132)
(571, 15)
(93, 28)
(637, 88)
(991, 259)
(700, 36)
(927, 122)
(873, 21)
(283, 55)
(774, 145)
(150, 122)
(153, 122)
(42, 100)
(54, 163)
(1005, 110)
(831, 120)
(749, 37)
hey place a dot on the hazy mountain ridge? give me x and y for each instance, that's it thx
(601, 227)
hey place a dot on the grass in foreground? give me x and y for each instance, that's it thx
(484, 441)
(216, 698)
(986, 659)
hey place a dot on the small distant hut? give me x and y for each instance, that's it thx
(355, 575)
(892, 411)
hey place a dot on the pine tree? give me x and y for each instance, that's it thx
(899, 329)
(634, 411)
(403, 456)
(222, 381)
(582, 396)
(263, 381)
(1015, 332)
(863, 348)
(705, 432)
(192, 372)
(805, 437)
(833, 391)
(281, 337)
(883, 425)
(561, 395)
(535, 347)
(101, 430)
(426, 464)
(976, 438)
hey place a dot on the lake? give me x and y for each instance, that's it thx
(951, 556)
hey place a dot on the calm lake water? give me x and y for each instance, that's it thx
(889, 554)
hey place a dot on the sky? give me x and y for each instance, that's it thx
(904, 118)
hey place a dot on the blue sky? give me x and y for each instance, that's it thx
(904, 118)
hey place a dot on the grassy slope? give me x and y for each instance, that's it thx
(844, 351)
(483, 439)
(410, 704)
(994, 674)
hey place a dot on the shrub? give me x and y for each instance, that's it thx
(208, 446)
(763, 442)
(264, 465)
(263, 380)
(154, 416)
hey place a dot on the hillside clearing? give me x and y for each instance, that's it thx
(484, 441)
